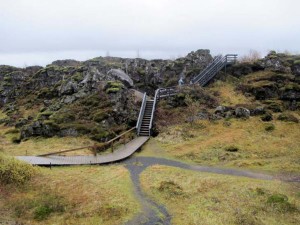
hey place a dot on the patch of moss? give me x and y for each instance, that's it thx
(297, 62)
(63, 117)
(77, 76)
(114, 84)
(112, 90)
(141, 71)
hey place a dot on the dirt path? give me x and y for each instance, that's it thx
(154, 213)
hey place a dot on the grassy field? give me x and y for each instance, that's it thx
(251, 143)
(227, 94)
(236, 143)
(72, 195)
(203, 198)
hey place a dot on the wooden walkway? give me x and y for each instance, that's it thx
(122, 152)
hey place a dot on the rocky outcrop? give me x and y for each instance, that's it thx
(120, 75)
(241, 112)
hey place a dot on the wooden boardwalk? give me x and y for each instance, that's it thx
(122, 152)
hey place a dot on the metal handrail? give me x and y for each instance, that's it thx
(208, 68)
(141, 114)
(153, 110)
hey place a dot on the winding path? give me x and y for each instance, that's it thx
(154, 213)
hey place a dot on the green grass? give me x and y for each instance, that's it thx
(36, 146)
(73, 195)
(258, 148)
(203, 198)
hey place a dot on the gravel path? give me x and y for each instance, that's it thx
(154, 213)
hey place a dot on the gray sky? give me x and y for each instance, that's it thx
(40, 31)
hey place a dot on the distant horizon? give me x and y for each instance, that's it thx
(23, 60)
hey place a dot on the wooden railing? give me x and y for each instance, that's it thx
(93, 147)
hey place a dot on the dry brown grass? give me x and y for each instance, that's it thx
(203, 198)
(277, 150)
(90, 195)
(37, 146)
(228, 95)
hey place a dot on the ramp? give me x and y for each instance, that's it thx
(122, 152)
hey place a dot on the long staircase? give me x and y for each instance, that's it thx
(143, 126)
(213, 68)
(146, 116)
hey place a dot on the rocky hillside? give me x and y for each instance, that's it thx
(268, 88)
(94, 97)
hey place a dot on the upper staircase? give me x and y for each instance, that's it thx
(146, 116)
(213, 68)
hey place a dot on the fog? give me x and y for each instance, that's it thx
(35, 32)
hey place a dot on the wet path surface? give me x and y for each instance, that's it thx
(153, 213)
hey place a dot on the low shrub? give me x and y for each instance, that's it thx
(266, 117)
(16, 140)
(232, 149)
(288, 118)
(40, 207)
(13, 171)
(269, 127)
(281, 203)
(170, 188)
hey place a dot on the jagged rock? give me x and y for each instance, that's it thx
(241, 112)
(68, 132)
(215, 117)
(69, 88)
(203, 115)
(258, 111)
(296, 69)
(119, 74)
(38, 128)
(66, 62)
(221, 109)
(69, 99)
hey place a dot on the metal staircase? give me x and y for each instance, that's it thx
(144, 123)
(213, 68)
(146, 116)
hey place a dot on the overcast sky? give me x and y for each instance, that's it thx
(41, 31)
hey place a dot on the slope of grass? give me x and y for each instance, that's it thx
(207, 142)
(203, 198)
(37, 146)
(227, 94)
(73, 195)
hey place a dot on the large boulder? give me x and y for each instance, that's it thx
(241, 112)
(120, 75)
(39, 128)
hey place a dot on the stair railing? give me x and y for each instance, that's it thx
(141, 114)
(153, 110)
